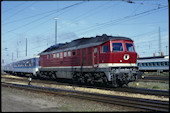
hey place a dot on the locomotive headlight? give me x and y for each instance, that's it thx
(126, 57)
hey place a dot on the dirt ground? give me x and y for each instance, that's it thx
(15, 100)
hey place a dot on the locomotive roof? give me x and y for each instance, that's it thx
(82, 43)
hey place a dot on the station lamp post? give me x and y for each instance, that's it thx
(56, 30)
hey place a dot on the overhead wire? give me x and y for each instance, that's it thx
(43, 17)
(66, 8)
(84, 14)
(21, 10)
(18, 20)
(117, 21)
(18, 5)
(92, 12)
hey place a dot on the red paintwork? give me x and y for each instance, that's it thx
(87, 57)
(115, 57)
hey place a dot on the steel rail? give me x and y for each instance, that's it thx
(144, 104)
(144, 91)
(126, 89)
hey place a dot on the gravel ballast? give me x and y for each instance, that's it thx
(15, 100)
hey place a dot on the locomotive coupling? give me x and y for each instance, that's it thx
(139, 75)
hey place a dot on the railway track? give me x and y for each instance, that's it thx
(126, 89)
(137, 103)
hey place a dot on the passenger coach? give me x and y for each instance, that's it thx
(27, 66)
(151, 64)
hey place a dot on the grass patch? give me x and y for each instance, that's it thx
(150, 85)
(155, 74)
(156, 87)
(65, 108)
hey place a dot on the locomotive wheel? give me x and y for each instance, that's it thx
(38, 76)
(49, 76)
(120, 83)
(41, 76)
(82, 80)
(90, 79)
(75, 78)
(54, 77)
(105, 81)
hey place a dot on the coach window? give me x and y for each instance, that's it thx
(129, 47)
(117, 47)
(146, 64)
(166, 63)
(69, 53)
(105, 49)
(34, 62)
(143, 64)
(30, 63)
(161, 63)
(27, 63)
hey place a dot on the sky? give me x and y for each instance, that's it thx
(34, 21)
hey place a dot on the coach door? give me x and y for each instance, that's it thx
(95, 57)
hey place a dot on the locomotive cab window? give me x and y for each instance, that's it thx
(117, 47)
(105, 48)
(130, 47)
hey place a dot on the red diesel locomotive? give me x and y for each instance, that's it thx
(108, 60)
